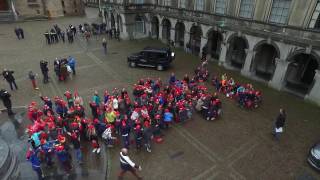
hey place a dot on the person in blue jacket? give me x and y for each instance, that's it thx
(167, 118)
(72, 64)
(35, 161)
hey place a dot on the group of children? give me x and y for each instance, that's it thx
(115, 118)
(244, 94)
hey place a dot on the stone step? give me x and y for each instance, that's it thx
(6, 16)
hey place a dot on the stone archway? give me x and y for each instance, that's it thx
(155, 27)
(179, 34)
(195, 39)
(301, 71)
(264, 62)
(166, 29)
(236, 54)
(215, 39)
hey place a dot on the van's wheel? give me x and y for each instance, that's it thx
(132, 64)
(159, 67)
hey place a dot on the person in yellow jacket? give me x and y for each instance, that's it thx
(110, 116)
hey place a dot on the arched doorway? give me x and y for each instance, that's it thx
(301, 71)
(236, 54)
(113, 23)
(214, 44)
(264, 63)
(195, 39)
(179, 34)
(166, 28)
(139, 25)
(155, 27)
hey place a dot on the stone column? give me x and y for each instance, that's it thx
(160, 32)
(172, 34)
(279, 74)
(314, 94)
(223, 54)
(124, 35)
(186, 40)
(246, 70)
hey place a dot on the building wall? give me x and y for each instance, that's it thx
(256, 31)
(26, 9)
(73, 7)
(54, 8)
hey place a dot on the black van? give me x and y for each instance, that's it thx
(159, 58)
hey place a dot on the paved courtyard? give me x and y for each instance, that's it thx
(237, 146)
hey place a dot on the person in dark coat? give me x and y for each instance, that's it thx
(21, 32)
(17, 32)
(8, 76)
(5, 97)
(44, 69)
(279, 123)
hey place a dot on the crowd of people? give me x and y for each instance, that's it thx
(244, 94)
(114, 118)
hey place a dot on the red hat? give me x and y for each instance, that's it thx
(157, 116)
(138, 127)
(61, 138)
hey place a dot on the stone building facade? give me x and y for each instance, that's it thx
(24, 9)
(273, 41)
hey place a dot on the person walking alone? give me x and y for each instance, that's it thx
(104, 45)
(127, 164)
(8, 75)
(279, 124)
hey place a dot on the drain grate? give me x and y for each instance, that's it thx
(176, 155)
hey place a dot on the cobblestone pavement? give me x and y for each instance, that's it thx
(237, 146)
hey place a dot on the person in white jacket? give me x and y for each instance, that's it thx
(127, 164)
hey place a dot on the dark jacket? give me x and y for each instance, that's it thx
(281, 119)
(8, 75)
(5, 97)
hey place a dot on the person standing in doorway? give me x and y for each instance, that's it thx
(127, 164)
(279, 123)
(8, 76)
(104, 45)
